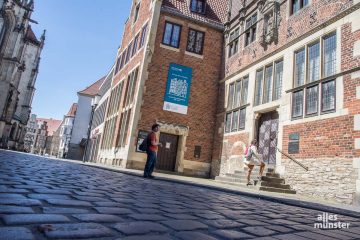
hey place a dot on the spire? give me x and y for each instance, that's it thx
(42, 38)
(31, 4)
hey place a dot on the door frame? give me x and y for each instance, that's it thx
(257, 118)
(177, 145)
(182, 133)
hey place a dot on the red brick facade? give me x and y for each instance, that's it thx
(327, 141)
(153, 65)
(204, 89)
(326, 138)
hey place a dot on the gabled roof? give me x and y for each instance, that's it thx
(52, 124)
(216, 10)
(72, 111)
(93, 89)
(30, 36)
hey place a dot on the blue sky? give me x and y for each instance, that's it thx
(81, 43)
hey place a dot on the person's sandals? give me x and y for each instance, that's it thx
(249, 184)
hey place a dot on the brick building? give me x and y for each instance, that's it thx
(292, 80)
(167, 71)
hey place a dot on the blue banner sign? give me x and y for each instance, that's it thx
(178, 89)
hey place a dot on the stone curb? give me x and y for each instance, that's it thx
(292, 202)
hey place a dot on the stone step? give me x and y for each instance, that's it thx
(236, 174)
(255, 187)
(273, 175)
(229, 179)
(278, 190)
(242, 176)
(274, 185)
(240, 172)
(273, 180)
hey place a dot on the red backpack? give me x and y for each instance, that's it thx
(248, 153)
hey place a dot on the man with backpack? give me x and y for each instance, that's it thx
(150, 145)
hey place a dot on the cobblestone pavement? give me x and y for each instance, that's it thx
(48, 199)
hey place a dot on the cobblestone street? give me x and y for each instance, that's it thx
(47, 199)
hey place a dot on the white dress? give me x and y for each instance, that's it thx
(256, 158)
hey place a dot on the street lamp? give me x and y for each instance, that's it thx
(94, 103)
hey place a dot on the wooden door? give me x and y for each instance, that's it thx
(267, 136)
(166, 158)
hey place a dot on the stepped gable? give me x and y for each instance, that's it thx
(53, 124)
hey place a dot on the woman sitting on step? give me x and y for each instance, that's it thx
(252, 158)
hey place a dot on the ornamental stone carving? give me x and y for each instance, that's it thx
(271, 16)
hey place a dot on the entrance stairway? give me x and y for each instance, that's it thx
(271, 182)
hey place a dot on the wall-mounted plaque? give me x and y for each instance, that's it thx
(197, 152)
(294, 143)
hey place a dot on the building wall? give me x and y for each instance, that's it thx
(197, 127)
(27, 81)
(14, 50)
(30, 135)
(327, 141)
(80, 128)
(97, 125)
(65, 135)
(113, 153)
(82, 119)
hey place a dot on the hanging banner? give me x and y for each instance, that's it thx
(178, 89)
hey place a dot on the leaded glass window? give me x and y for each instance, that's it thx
(314, 62)
(244, 92)
(258, 87)
(128, 53)
(143, 36)
(242, 118)
(297, 108)
(172, 35)
(234, 42)
(198, 6)
(236, 105)
(195, 41)
(231, 96)
(268, 84)
(312, 100)
(330, 55)
(299, 67)
(297, 5)
(328, 96)
(250, 29)
(278, 79)
(135, 46)
(235, 121)
(228, 122)
(237, 94)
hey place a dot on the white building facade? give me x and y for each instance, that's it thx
(66, 128)
(84, 115)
